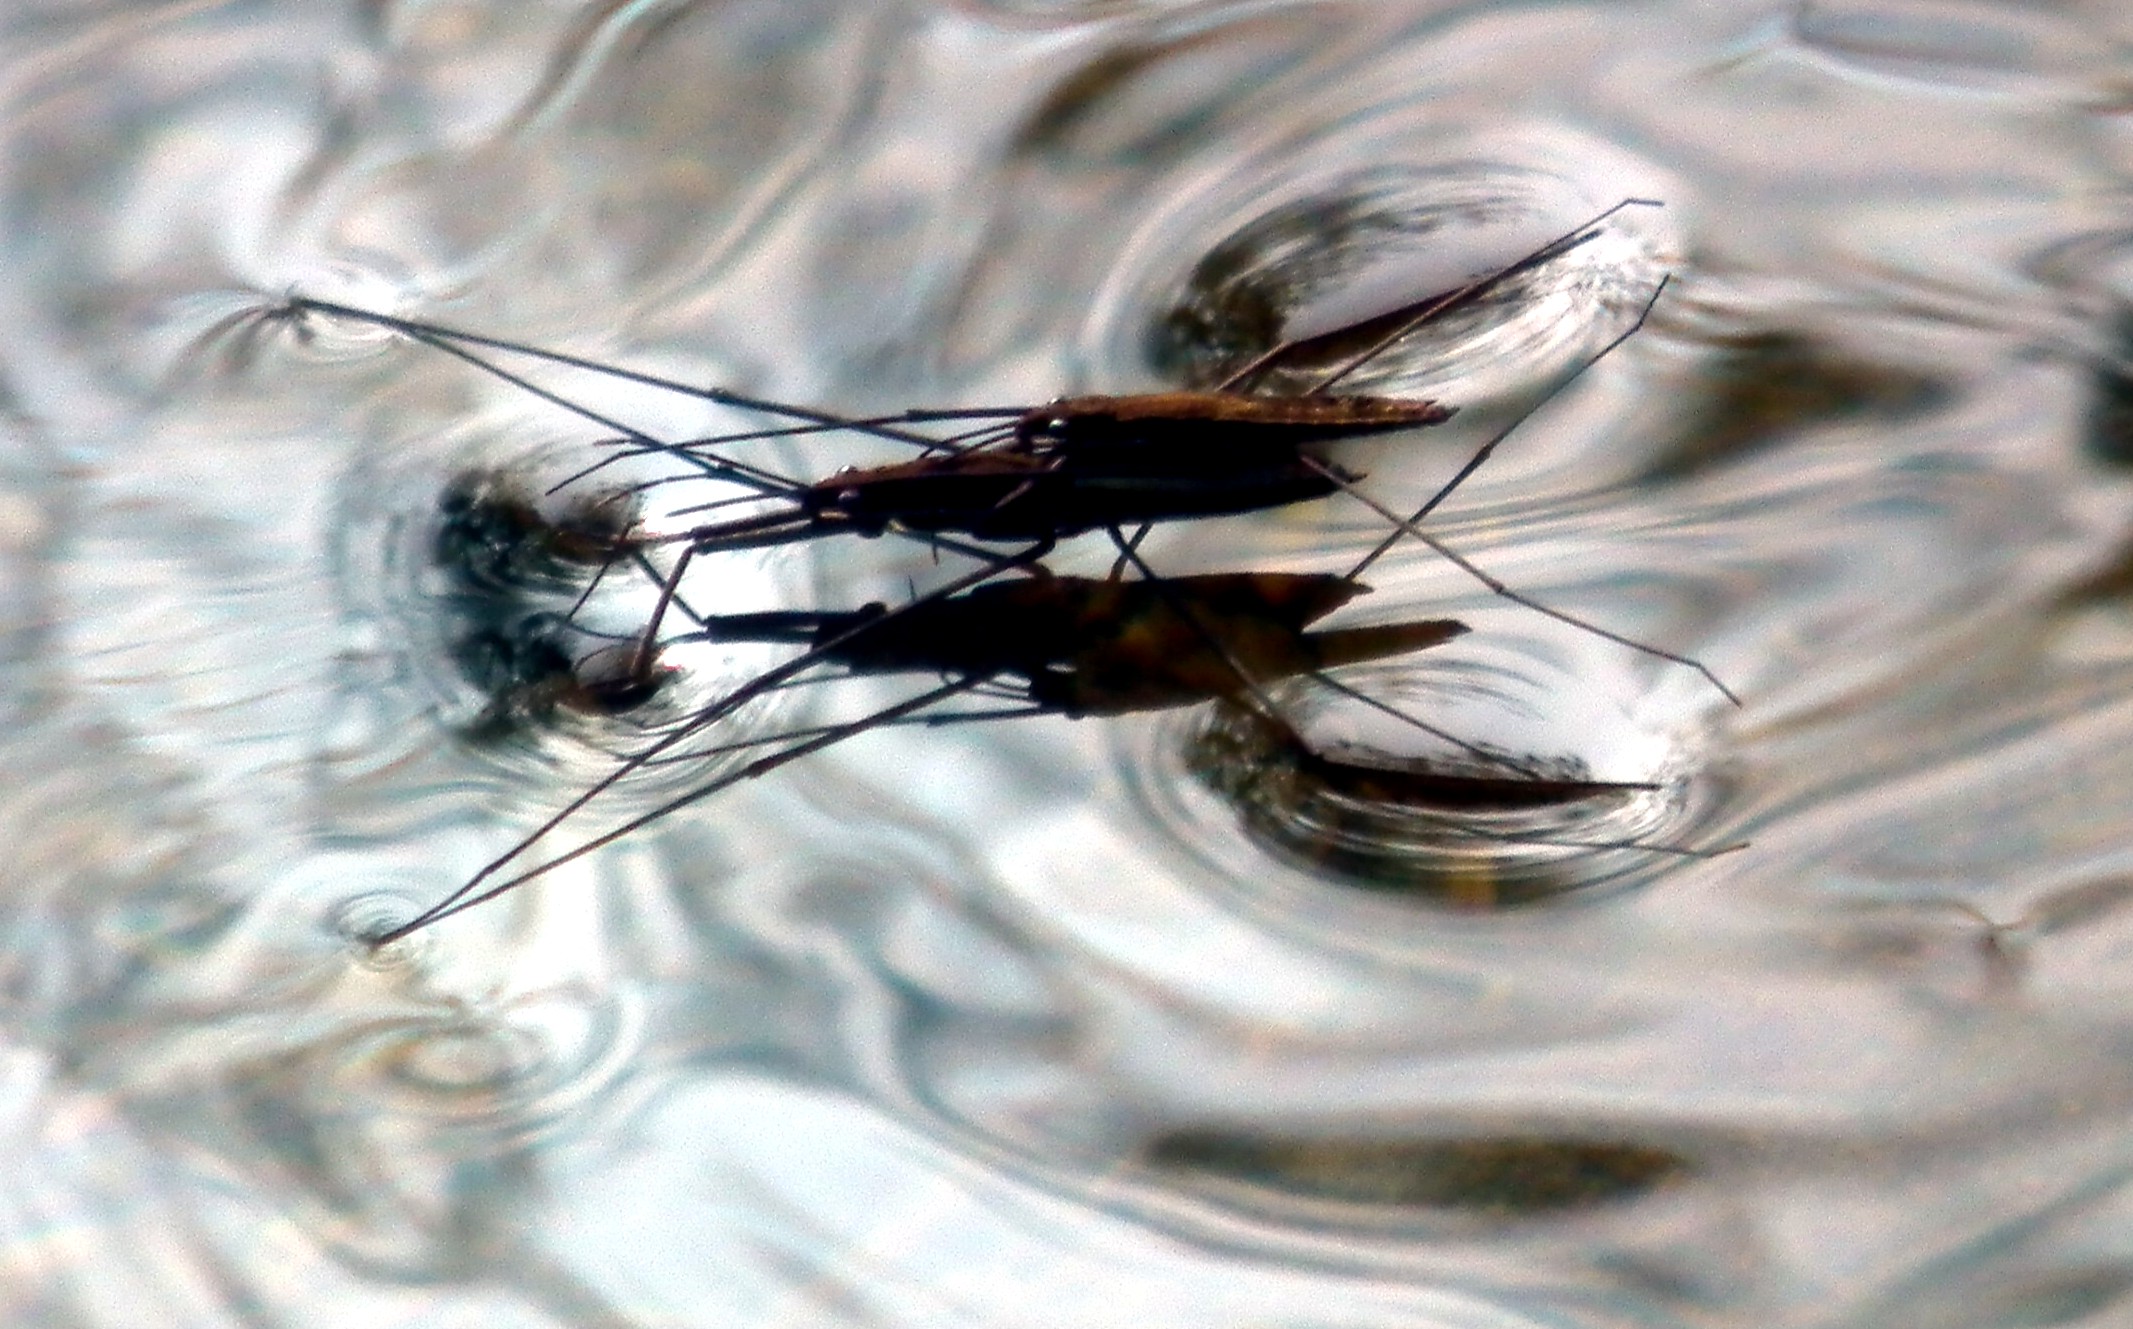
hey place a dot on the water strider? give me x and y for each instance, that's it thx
(1009, 630)
(1065, 468)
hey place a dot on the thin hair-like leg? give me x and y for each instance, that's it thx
(433, 333)
(1488, 449)
(1437, 306)
(703, 718)
(467, 898)
(1409, 528)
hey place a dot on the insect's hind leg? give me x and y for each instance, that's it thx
(1427, 311)
(1408, 527)
(490, 882)
(1488, 448)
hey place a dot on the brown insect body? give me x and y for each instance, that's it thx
(1011, 494)
(1089, 463)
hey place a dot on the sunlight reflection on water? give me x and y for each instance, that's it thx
(1075, 1022)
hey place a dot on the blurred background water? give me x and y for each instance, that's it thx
(1077, 1023)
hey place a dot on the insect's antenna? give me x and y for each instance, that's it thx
(706, 716)
(739, 472)
(1475, 571)
(460, 902)
(1488, 449)
(1437, 306)
(627, 448)
(436, 333)
(710, 505)
(832, 425)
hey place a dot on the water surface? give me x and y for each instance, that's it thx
(1077, 1023)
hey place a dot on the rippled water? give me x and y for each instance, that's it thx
(1101, 1022)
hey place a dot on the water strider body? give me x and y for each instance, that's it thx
(1092, 463)
(1056, 470)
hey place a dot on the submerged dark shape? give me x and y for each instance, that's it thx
(1376, 777)
(1764, 385)
(1508, 1175)
(534, 668)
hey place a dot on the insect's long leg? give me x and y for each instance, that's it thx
(928, 720)
(648, 641)
(1476, 751)
(1247, 683)
(1130, 546)
(1436, 306)
(1474, 570)
(652, 573)
(828, 425)
(704, 717)
(1488, 449)
(831, 735)
(1547, 253)
(434, 333)
(585, 596)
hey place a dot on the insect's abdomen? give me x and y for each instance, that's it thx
(1015, 494)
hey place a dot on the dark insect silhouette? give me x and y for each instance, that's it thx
(1007, 632)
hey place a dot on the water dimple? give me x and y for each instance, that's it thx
(1332, 267)
(503, 1069)
(1461, 825)
(508, 596)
